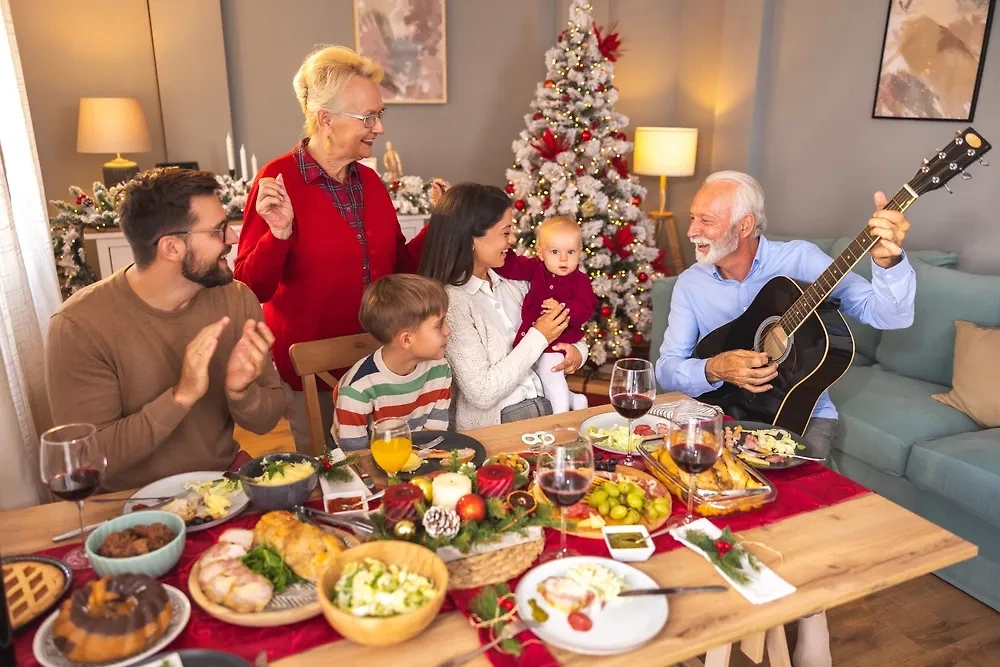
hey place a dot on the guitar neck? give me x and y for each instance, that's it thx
(817, 292)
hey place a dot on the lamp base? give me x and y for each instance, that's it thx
(118, 171)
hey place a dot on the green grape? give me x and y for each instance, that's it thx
(626, 487)
(604, 508)
(613, 502)
(652, 514)
(662, 505)
(598, 497)
(612, 490)
(631, 517)
(634, 500)
(618, 512)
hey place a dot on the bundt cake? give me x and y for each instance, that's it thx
(112, 618)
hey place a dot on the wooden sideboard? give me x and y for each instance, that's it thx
(108, 252)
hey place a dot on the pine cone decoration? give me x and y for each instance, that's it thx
(440, 522)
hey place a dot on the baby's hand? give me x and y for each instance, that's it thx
(549, 304)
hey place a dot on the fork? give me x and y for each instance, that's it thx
(510, 630)
(433, 443)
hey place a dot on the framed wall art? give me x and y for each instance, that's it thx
(406, 37)
(932, 59)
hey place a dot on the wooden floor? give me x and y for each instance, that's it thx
(921, 623)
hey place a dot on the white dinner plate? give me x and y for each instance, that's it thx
(623, 625)
(171, 486)
(49, 655)
(610, 420)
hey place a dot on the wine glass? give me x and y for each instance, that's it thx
(695, 445)
(632, 390)
(564, 472)
(391, 443)
(73, 468)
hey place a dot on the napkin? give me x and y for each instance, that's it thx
(685, 409)
(763, 586)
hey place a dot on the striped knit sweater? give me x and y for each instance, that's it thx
(370, 391)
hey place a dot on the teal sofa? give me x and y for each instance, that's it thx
(893, 437)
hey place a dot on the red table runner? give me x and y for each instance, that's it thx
(803, 489)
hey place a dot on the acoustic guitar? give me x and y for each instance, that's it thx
(797, 327)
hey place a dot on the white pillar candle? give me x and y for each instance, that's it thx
(243, 162)
(448, 488)
(230, 154)
(253, 165)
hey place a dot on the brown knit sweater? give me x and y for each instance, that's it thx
(112, 360)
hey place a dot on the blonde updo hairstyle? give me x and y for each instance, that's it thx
(323, 75)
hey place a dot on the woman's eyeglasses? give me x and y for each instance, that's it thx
(368, 120)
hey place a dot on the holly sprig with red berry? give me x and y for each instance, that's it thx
(725, 553)
(494, 608)
(337, 471)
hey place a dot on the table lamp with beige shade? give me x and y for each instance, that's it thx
(663, 152)
(113, 125)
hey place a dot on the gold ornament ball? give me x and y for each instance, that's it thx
(425, 485)
(588, 208)
(404, 530)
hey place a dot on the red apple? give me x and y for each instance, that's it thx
(471, 507)
(400, 502)
(495, 481)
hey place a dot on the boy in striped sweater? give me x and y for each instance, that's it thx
(407, 377)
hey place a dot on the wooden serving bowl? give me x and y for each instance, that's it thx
(390, 630)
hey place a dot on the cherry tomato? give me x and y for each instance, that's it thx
(580, 621)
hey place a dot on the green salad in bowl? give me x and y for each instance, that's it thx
(372, 588)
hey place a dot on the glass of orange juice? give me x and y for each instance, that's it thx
(391, 444)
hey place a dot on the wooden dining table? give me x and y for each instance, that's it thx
(833, 556)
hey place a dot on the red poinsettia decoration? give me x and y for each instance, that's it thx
(621, 242)
(658, 264)
(550, 145)
(609, 45)
(620, 165)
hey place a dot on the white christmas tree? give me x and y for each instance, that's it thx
(571, 160)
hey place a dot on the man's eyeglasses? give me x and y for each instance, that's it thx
(368, 120)
(221, 231)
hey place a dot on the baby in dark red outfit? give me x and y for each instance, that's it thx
(555, 278)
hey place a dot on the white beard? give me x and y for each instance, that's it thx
(717, 249)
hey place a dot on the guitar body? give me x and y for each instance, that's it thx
(817, 354)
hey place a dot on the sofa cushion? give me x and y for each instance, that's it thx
(826, 245)
(883, 414)
(925, 351)
(866, 338)
(977, 367)
(663, 290)
(964, 469)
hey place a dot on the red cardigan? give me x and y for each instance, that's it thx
(311, 284)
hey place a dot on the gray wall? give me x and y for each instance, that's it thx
(823, 155)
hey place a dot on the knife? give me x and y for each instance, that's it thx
(673, 591)
(75, 532)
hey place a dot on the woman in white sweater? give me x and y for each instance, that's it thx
(469, 234)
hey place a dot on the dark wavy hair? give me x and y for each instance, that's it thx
(466, 211)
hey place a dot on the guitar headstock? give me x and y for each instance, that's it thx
(967, 147)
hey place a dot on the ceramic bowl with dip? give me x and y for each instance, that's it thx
(279, 481)
(629, 544)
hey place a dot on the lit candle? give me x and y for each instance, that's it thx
(253, 165)
(448, 487)
(230, 155)
(243, 161)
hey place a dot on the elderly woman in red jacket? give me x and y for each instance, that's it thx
(318, 226)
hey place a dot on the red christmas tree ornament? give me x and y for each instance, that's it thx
(579, 67)
(565, 98)
(643, 277)
(580, 171)
(471, 507)
(636, 339)
(537, 116)
(605, 311)
(495, 481)
(586, 135)
(594, 125)
(510, 188)
(636, 200)
(600, 334)
(620, 165)
(520, 204)
(600, 87)
(394, 185)
(621, 136)
(546, 202)
(549, 83)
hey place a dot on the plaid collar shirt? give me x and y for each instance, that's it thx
(348, 197)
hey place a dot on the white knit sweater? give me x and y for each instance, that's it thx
(485, 368)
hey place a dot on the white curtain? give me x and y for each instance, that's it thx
(29, 290)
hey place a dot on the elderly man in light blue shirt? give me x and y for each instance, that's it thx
(734, 263)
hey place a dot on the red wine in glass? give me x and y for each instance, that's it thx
(631, 406)
(694, 458)
(76, 484)
(564, 487)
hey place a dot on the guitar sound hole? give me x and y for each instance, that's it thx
(772, 340)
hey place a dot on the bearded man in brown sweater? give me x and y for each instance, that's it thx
(165, 355)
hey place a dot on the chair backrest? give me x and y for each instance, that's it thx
(318, 359)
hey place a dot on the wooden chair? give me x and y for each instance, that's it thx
(317, 359)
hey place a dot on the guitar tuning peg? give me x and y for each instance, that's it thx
(948, 189)
(966, 176)
(983, 162)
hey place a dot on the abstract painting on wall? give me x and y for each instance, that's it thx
(406, 37)
(932, 59)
